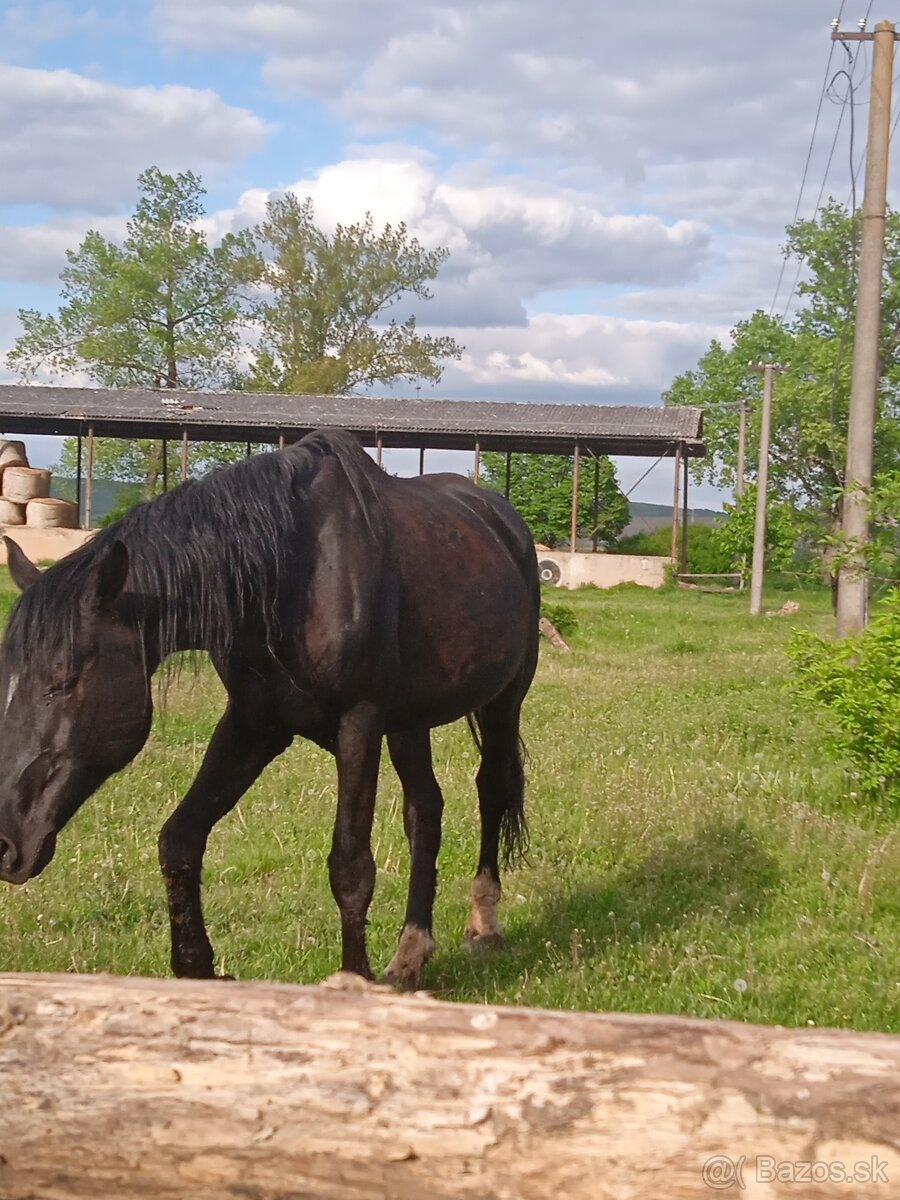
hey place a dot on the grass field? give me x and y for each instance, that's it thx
(693, 848)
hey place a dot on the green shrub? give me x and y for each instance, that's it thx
(705, 555)
(734, 536)
(858, 680)
(560, 616)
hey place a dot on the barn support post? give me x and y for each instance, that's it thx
(576, 465)
(508, 473)
(378, 449)
(684, 519)
(281, 441)
(421, 460)
(249, 450)
(184, 455)
(89, 481)
(165, 464)
(674, 547)
(477, 473)
(78, 442)
(596, 502)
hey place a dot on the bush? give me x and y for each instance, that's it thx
(735, 534)
(705, 555)
(560, 616)
(858, 680)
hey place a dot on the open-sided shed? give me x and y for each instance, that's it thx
(580, 430)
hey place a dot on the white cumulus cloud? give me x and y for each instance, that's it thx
(70, 141)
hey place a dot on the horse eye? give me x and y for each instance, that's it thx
(61, 689)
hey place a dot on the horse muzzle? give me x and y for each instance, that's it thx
(17, 866)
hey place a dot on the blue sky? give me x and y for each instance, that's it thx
(612, 183)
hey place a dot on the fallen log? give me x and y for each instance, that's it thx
(133, 1088)
(552, 634)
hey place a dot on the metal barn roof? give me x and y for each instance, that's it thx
(433, 424)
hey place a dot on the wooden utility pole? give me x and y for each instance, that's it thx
(757, 570)
(853, 588)
(741, 449)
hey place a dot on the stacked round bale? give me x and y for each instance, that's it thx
(25, 493)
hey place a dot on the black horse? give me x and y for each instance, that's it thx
(335, 602)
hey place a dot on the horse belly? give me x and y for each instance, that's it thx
(464, 636)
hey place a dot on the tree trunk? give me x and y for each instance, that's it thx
(170, 1089)
(153, 470)
(827, 554)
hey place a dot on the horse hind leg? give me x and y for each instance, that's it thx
(422, 809)
(501, 794)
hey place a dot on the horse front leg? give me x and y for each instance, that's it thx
(423, 806)
(236, 755)
(351, 867)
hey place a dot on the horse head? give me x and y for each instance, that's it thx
(75, 703)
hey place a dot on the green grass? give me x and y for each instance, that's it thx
(693, 851)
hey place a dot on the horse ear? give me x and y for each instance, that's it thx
(108, 576)
(21, 568)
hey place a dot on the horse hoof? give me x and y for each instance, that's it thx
(414, 949)
(401, 981)
(476, 942)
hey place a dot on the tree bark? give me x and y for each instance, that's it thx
(167, 1089)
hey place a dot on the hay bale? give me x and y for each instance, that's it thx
(25, 483)
(11, 513)
(12, 454)
(50, 513)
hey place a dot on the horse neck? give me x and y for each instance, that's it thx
(188, 599)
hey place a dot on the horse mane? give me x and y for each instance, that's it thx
(215, 552)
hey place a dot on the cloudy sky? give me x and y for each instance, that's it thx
(612, 182)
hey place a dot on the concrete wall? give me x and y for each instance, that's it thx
(606, 570)
(602, 570)
(43, 545)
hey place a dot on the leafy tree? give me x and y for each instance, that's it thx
(884, 553)
(734, 535)
(705, 555)
(541, 490)
(324, 322)
(811, 400)
(162, 309)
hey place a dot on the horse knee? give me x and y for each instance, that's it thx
(180, 849)
(352, 879)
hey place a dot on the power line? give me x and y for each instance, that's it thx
(848, 100)
(809, 153)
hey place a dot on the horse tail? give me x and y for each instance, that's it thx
(513, 825)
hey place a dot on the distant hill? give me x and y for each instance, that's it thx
(647, 517)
